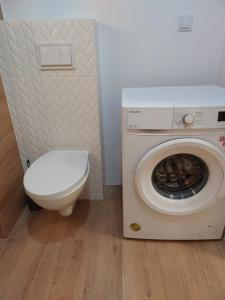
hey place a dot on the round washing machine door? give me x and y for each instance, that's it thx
(181, 176)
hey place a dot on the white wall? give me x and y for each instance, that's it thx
(222, 70)
(139, 46)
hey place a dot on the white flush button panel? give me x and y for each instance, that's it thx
(185, 23)
(55, 56)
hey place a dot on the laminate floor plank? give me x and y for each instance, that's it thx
(18, 262)
(84, 257)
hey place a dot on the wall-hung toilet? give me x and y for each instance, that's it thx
(56, 179)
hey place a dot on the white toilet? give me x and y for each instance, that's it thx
(56, 179)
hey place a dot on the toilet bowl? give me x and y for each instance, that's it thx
(56, 179)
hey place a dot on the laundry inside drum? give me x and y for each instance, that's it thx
(180, 176)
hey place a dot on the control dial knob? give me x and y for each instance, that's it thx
(188, 119)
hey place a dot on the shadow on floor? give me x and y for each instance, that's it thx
(48, 226)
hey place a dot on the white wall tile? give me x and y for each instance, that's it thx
(19, 55)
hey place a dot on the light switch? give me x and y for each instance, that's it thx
(185, 23)
(55, 56)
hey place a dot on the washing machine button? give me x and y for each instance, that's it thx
(188, 119)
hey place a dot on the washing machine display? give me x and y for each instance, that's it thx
(180, 176)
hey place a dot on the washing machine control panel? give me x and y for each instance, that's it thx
(175, 118)
(194, 118)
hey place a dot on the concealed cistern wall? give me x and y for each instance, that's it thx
(53, 109)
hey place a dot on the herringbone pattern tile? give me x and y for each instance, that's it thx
(18, 56)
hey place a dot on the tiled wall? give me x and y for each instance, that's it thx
(53, 109)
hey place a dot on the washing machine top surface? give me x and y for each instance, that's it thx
(169, 97)
(56, 172)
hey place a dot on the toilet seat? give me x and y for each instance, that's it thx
(56, 174)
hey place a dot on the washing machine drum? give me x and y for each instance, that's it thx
(181, 176)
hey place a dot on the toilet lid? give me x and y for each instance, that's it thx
(56, 172)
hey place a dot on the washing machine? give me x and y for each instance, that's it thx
(173, 161)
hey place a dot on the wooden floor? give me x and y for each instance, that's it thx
(85, 257)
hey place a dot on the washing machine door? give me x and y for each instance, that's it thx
(181, 176)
